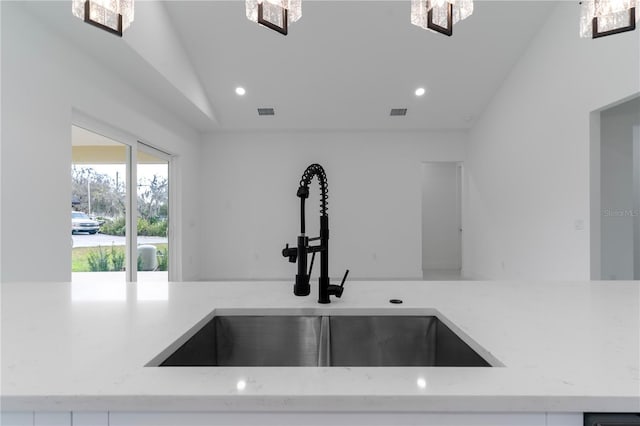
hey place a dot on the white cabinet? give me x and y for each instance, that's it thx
(564, 419)
(10, 418)
(287, 419)
(52, 419)
(328, 419)
(90, 419)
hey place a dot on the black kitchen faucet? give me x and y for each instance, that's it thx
(301, 286)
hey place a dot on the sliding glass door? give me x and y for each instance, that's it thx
(153, 214)
(98, 207)
(119, 209)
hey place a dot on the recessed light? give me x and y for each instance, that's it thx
(420, 91)
(240, 91)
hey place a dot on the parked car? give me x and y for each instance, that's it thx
(81, 222)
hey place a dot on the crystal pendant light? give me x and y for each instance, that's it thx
(440, 15)
(113, 16)
(600, 18)
(274, 14)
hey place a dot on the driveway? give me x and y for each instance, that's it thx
(95, 240)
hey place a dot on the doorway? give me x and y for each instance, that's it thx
(120, 208)
(636, 199)
(442, 220)
(620, 191)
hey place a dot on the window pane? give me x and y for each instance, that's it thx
(98, 214)
(153, 217)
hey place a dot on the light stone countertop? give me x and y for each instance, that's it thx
(563, 347)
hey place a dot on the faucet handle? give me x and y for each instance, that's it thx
(344, 279)
(291, 253)
(337, 290)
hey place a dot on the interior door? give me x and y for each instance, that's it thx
(441, 220)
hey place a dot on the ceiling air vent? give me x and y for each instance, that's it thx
(398, 112)
(266, 111)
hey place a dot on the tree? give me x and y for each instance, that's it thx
(153, 198)
(107, 195)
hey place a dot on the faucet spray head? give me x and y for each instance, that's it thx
(303, 191)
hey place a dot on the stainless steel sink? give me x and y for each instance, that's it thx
(315, 340)
(397, 341)
(252, 341)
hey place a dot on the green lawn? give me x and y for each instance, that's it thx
(79, 256)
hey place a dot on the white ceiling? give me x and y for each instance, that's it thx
(343, 66)
(83, 137)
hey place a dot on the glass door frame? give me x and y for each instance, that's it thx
(165, 156)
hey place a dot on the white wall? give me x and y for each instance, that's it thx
(44, 77)
(251, 209)
(1, 136)
(617, 190)
(528, 155)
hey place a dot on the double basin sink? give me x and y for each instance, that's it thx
(321, 340)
